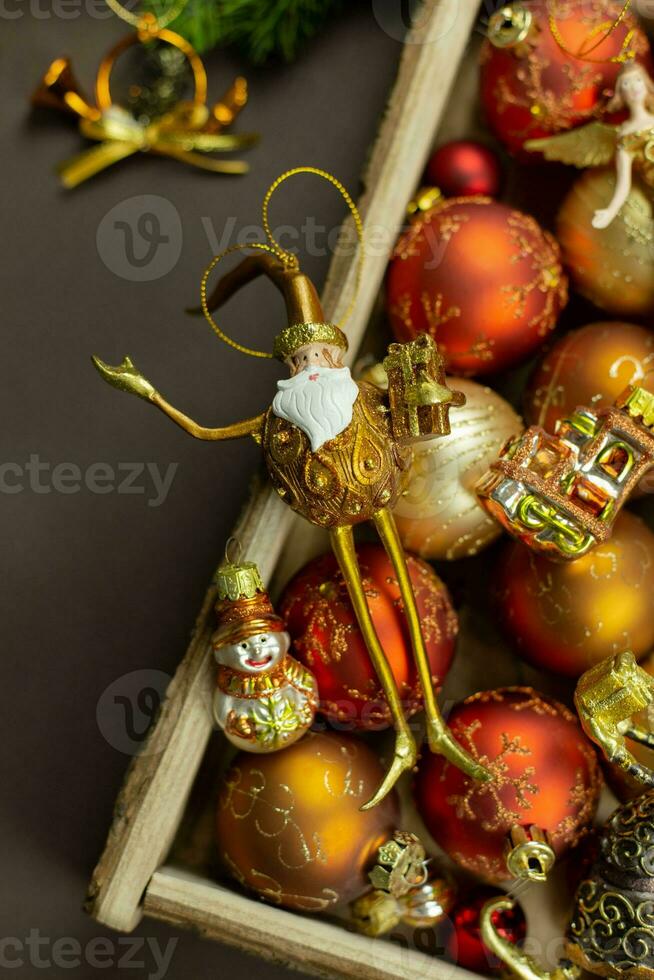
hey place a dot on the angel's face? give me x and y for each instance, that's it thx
(633, 89)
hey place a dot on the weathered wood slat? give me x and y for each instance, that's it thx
(305, 943)
(149, 808)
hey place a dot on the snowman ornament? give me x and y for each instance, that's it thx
(264, 699)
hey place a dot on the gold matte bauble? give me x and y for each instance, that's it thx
(438, 514)
(613, 267)
(289, 825)
(568, 617)
(590, 366)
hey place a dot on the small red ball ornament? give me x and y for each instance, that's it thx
(463, 942)
(463, 168)
(544, 773)
(326, 636)
(483, 279)
(531, 87)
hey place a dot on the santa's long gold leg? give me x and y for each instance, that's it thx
(405, 753)
(439, 737)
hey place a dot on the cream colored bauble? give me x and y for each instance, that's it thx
(438, 515)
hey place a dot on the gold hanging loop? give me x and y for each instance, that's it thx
(205, 304)
(354, 211)
(608, 28)
(286, 258)
(139, 20)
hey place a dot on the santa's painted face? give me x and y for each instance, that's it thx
(319, 400)
(255, 655)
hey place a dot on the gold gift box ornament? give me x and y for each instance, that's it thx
(560, 494)
(190, 132)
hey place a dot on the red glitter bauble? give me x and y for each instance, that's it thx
(326, 636)
(464, 168)
(463, 942)
(535, 88)
(483, 279)
(544, 772)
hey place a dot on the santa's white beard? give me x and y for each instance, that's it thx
(319, 401)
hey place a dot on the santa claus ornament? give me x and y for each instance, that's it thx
(264, 699)
(321, 620)
(484, 280)
(550, 65)
(542, 796)
(335, 451)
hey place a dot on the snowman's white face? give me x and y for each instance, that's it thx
(255, 655)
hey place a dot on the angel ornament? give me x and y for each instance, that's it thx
(630, 144)
(335, 451)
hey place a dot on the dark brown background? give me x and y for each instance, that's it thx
(97, 586)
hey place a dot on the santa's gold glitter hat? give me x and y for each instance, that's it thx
(243, 608)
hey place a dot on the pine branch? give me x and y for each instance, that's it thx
(262, 29)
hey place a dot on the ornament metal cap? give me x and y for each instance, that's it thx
(529, 853)
(243, 608)
(509, 25)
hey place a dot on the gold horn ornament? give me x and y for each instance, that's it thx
(190, 132)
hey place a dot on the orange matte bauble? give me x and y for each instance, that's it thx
(590, 366)
(533, 88)
(326, 637)
(544, 773)
(483, 279)
(567, 617)
(289, 825)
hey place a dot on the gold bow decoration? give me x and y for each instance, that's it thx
(189, 132)
(182, 134)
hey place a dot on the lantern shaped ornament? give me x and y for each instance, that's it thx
(561, 494)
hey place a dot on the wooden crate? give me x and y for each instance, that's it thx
(157, 860)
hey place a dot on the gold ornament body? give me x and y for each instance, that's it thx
(613, 267)
(350, 478)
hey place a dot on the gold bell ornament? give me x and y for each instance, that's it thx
(405, 889)
(335, 450)
(264, 699)
(189, 132)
